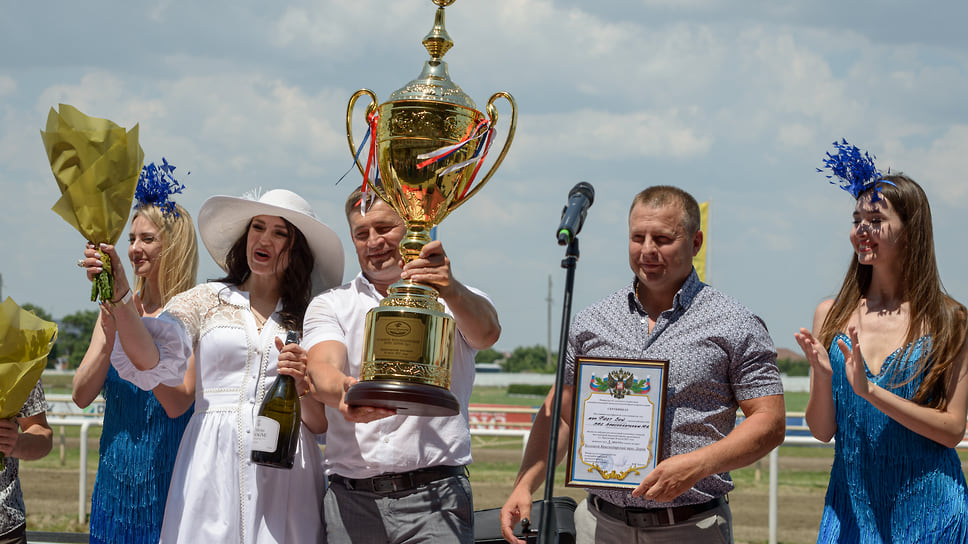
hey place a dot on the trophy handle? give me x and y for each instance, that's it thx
(492, 115)
(370, 108)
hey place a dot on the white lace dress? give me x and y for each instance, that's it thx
(217, 494)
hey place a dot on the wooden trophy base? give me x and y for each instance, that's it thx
(408, 399)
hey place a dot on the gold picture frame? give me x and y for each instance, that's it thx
(618, 418)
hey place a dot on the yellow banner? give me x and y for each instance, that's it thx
(699, 261)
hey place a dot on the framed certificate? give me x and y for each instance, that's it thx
(617, 421)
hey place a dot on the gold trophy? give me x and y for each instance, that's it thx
(426, 145)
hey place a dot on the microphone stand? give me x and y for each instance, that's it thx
(548, 526)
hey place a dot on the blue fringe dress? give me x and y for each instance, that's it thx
(889, 484)
(137, 453)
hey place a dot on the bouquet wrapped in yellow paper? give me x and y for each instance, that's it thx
(25, 341)
(96, 164)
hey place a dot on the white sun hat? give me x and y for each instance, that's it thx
(223, 220)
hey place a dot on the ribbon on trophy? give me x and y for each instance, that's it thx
(371, 161)
(372, 170)
(483, 133)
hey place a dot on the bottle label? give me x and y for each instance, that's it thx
(265, 434)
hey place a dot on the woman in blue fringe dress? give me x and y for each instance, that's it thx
(888, 373)
(140, 438)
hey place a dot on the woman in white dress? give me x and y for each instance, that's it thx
(276, 256)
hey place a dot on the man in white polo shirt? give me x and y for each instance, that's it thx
(393, 478)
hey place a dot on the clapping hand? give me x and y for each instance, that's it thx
(814, 352)
(854, 364)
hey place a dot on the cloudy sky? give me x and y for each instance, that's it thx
(736, 102)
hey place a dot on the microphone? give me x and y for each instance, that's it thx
(573, 215)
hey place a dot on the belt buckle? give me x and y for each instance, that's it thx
(383, 484)
(393, 483)
(646, 519)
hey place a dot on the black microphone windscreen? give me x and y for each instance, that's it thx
(586, 189)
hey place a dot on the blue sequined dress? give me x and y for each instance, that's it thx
(137, 453)
(889, 484)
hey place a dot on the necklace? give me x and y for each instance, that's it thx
(259, 320)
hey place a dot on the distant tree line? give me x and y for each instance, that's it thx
(522, 359)
(535, 359)
(792, 367)
(73, 336)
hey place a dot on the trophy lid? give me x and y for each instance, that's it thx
(434, 83)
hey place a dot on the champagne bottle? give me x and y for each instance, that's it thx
(276, 428)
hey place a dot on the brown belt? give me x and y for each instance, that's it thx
(651, 517)
(401, 481)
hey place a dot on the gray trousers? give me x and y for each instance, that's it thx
(442, 511)
(712, 527)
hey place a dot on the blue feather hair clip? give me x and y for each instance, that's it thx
(855, 171)
(156, 184)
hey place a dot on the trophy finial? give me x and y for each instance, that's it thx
(434, 81)
(438, 41)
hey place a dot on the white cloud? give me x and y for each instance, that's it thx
(323, 26)
(939, 166)
(604, 135)
(735, 102)
(7, 85)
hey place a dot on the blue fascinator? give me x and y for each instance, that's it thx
(156, 184)
(855, 171)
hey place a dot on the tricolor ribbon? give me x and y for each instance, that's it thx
(482, 133)
(486, 144)
(473, 133)
(370, 161)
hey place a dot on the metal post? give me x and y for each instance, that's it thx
(774, 488)
(82, 477)
(548, 358)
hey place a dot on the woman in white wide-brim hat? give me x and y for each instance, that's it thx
(276, 256)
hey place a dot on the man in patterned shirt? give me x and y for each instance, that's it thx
(27, 437)
(720, 358)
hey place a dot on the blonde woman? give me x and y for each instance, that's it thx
(140, 437)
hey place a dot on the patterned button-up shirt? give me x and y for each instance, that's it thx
(719, 353)
(12, 511)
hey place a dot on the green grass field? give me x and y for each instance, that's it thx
(796, 402)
